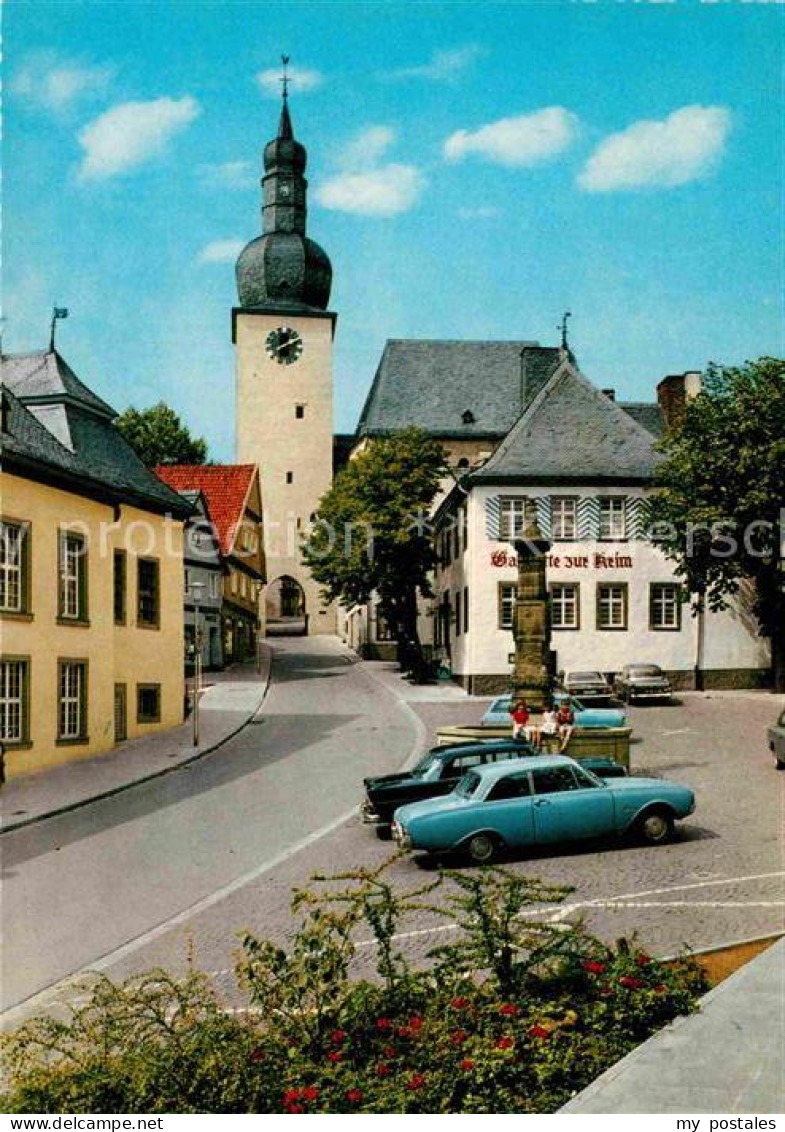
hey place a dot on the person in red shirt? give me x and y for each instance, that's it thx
(520, 717)
(565, 717)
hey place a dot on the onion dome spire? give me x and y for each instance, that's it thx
(282, 266)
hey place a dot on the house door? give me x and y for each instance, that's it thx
(120, 713)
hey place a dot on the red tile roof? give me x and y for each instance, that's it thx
(224, 486)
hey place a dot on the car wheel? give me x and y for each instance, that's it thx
(655, 827)
(384, 832)
(482, 848)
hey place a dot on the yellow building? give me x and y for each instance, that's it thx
(91, 575)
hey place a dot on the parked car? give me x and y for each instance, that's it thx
(539, 801)
(441, 769)
(777, 742)
(591, 687)
(498, 714)
(642, 682)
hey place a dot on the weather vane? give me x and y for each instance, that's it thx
(563, 329)
(285, 80)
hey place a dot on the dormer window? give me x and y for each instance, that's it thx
(468, 417)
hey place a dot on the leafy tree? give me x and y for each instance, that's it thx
(158, 436)
(371, 533)
(719, 513)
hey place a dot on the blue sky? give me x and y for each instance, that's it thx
(475, 169)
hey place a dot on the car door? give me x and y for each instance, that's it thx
(507, 809)
(568, 804)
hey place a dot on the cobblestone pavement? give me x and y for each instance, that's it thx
(721, 879)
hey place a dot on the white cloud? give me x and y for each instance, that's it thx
(301, 79)
(131, 133)
(367, 147)
(56, 84)
(680, 148)
(229, 175)
(523, 140)
(444, 66)
(221, 251)
(386, 191)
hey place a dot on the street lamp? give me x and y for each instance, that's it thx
(195, 589)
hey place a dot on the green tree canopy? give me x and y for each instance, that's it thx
(719, 513)
(372, 535)
(158, 436)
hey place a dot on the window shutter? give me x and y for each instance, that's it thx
(542, 505)
(493, 518)
(637, 518)
(589, 517)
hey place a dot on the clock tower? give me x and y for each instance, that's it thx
(283, 336)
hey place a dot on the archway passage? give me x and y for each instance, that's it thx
(285, 611)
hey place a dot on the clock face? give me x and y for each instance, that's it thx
(284, 345)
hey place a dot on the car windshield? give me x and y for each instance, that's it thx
(582, 773)
(502, 704)
(425, 763)
(468, 784)
(645, 670)
(590, 677)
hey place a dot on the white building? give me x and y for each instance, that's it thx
(584, 465)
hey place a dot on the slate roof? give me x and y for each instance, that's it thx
(572, 433)
(224, 486)
(433, 383)
(648, 415)
(97, 459)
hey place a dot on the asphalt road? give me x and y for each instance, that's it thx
(78, 887)
(165, 877)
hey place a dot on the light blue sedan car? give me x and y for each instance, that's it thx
(498, 714)
(538, 801)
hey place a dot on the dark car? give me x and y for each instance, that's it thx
(591, 687)
(642, 682)
(777, 742)
(440, 770)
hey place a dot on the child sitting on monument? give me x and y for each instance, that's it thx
(520, 717)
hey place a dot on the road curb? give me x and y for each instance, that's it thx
(71, 806)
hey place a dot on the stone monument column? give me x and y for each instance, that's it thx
(532, 679)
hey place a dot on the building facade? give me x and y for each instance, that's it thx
(283, 336)
(234, 503)
(582, 466)
(202, 586)
(91, 575)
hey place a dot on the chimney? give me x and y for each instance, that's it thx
(673, 393)
(610, 394)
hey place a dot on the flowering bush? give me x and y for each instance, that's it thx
(526, 1016)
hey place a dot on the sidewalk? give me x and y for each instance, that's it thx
(726, 1059)
(228, 701)
(440, 692)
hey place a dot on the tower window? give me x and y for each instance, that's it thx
(299, 411)
(290, 477)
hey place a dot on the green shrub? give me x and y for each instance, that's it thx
(514, 1015)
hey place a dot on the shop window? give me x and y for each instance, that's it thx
(565, 605)
(665, 606)
(612, 605)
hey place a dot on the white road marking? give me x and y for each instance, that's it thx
(601, 901)
(680, 731)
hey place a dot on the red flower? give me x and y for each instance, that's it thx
(538, 1032)
(606, 990)
(337, 1037)
(459, 1037)
(503, 1043)
(509, 1008)
(593, 967)
(310, 1093)
(336, 1055)
(383, 1024)
(467, 1064)
(416, 1081)
(415, 1024)
(383, 1070)
(403, 1032)
(459, 1003)
(291, 1095)
(389, 1051)
(631, 982)
(643, 960)
(354, 1096)
(295, 1109)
